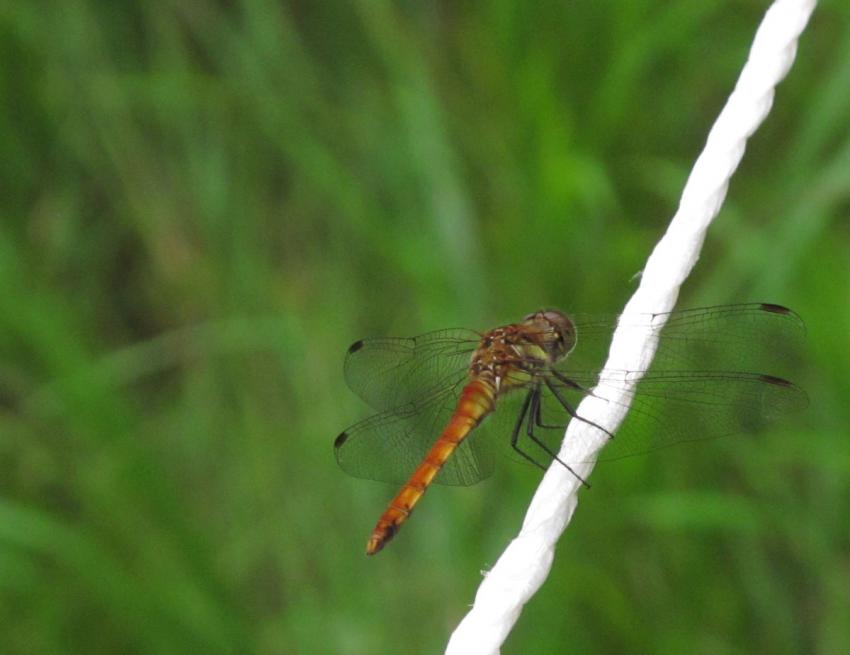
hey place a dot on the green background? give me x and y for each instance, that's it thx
(204, 203)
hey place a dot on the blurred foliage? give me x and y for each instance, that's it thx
(204, 203)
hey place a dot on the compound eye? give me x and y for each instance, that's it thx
(531, 316)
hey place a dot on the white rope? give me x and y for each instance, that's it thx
(524, 565)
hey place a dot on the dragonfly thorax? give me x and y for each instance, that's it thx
(512, 355)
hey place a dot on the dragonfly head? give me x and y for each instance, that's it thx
(555, 332)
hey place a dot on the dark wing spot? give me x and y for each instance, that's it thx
(776, 309)
(354, 347)
(340, 439)
(772, 379)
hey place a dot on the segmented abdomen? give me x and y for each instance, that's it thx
(476, 401)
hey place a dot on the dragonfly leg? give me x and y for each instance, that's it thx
(534, 398)
(537, 413)
(515, 435)
(572, 384)
(569, 408)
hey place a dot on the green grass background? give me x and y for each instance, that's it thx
(204, 203)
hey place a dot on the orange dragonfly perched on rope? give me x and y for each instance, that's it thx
(433, 393)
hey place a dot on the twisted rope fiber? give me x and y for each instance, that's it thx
(524, 565)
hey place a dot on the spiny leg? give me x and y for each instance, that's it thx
(535, 411)
(568, 407)
(572, 384)
(538, 417)
(529, 399)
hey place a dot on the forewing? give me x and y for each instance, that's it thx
(392, 372)
(389, 446)
(753, 337)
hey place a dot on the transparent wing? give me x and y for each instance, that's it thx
(389, 446)
(755, 337)
(671, 407)
(392, 372)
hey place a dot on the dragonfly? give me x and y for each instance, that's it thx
(449, 402)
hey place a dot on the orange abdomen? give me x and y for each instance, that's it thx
(476, 401)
